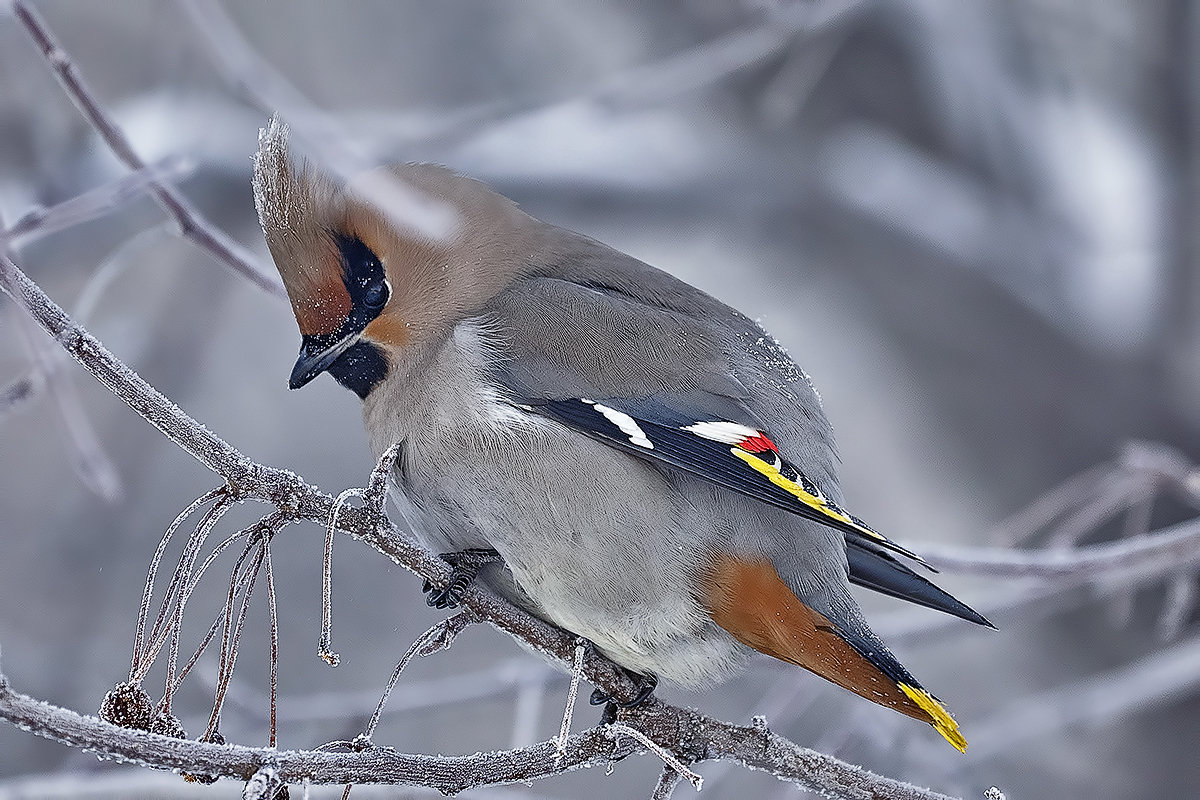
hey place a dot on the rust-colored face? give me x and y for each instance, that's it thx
(322, 305)
(366, 293)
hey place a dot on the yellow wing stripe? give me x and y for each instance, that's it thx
(773, 474)
(942, 722)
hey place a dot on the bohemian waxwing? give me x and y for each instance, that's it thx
(655, 472)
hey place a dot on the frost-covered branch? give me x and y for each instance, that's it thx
(686, 734)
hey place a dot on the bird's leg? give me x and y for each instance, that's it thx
(466, 565)
(645, 683)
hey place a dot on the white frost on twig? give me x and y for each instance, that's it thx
(564, 730)
(617, 729)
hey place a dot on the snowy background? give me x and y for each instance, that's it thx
(974, 224)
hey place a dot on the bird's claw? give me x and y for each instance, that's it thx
(612, 708)
(443, 598)
(465, 566)
(646, 685)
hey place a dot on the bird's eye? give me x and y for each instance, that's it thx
(376, 295)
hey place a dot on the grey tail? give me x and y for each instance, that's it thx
(872, 568)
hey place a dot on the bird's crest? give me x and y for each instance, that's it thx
(295, 204)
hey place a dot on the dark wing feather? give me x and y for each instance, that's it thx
(874, 569)
(770, 480)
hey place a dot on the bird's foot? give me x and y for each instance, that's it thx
(612, 708)
(465, 566)
(645, 683)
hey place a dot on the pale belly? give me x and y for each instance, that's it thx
(597, 542)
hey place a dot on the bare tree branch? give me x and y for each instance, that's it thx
(1163, 551)
(40, 221)
(682, 731)
(191, 222)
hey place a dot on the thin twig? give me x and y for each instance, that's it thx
(187, 570)
(152, 573)
(165, 621)
(564, 729)
(325, 642)
(438, 637)
(273, 610)
(617, 729)
(170, 615)
(664, 788)
(104, 199)
(231, 638)
(272, 523)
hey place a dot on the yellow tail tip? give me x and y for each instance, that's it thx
(940, 718)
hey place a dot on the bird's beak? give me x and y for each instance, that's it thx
(317, 353)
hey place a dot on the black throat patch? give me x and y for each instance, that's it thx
(360, 368)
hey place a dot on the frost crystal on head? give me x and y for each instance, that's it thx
(272, 175)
